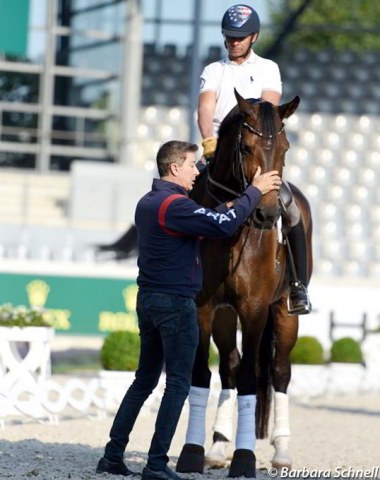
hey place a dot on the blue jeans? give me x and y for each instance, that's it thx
(169, 335)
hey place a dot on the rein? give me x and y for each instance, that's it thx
(219, 185)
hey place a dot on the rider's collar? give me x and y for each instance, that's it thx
(251, 59)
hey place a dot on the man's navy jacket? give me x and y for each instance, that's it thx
(170, 226)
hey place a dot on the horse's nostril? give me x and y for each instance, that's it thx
(265, 219)
(259, 214)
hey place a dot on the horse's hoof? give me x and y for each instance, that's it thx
(216, 457)
(191, 459)
(281, 464)
(243, 464)
(281, 459)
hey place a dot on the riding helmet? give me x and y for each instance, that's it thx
(240, 21)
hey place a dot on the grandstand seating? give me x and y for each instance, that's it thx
(327, 81)
(334, 158)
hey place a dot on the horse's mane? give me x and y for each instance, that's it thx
(267, 124)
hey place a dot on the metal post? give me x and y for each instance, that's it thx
(46, 94)
(130, 82)
(195, 70)
(364, 326)
(332, 325)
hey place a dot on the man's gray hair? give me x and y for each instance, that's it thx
(173, 152)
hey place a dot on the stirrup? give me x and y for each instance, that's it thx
(299, 302)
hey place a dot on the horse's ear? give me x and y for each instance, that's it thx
(244, 105)
(287, 109)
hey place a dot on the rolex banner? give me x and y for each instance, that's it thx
(75, 305)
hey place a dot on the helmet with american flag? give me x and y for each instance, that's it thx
(240, 21)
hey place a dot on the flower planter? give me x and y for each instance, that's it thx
(31, 368)
(115, 384)
(345, 378)
(308, 380)
(371, 352)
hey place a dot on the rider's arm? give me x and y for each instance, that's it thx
(272, 84)
(271, 96)
(206, 110)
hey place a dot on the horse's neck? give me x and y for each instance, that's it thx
(262, 251)
(200, 192)
(223, 162)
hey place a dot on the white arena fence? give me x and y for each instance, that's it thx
(53, 399)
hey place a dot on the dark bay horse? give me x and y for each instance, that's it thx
(250, 274)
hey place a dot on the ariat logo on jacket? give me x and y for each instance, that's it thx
(218, 217)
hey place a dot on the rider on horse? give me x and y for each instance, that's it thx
(253, 77)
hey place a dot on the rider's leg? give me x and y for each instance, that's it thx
(298, 302)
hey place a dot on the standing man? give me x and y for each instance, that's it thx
(253, 77)
(169, 226)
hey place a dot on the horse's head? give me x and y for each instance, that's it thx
(263, 142)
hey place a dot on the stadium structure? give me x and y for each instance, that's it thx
(91, 88)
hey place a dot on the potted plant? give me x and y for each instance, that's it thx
(120, 351)
(21, 316)
(307, 351)
(346, 366)
(119, 357)
(309, 376)
(24, 327)
(346, 350)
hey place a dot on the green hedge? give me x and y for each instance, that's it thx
(120, 351)
(346, 350)
(307, 351)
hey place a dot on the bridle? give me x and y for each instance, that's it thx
(260, 134)
(238, 161)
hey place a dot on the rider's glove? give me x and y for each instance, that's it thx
(209, 147)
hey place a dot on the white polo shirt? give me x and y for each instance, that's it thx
(250, 79)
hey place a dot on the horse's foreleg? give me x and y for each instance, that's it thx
(224, 334)
(196, 428)
(286, 328)
(192, 457)
(244, 461)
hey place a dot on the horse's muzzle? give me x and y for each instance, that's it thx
(265, 219)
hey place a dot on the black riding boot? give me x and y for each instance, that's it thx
(298, 301)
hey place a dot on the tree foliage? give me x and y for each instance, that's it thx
(331, 24)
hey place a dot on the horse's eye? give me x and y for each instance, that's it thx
(245, 149)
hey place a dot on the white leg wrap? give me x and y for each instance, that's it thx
(196, 428)
(246, 435)
(225, 413)
(281, 426)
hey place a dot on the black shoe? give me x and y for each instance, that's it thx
(298, 301)
(167, 474)
(115, 468)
